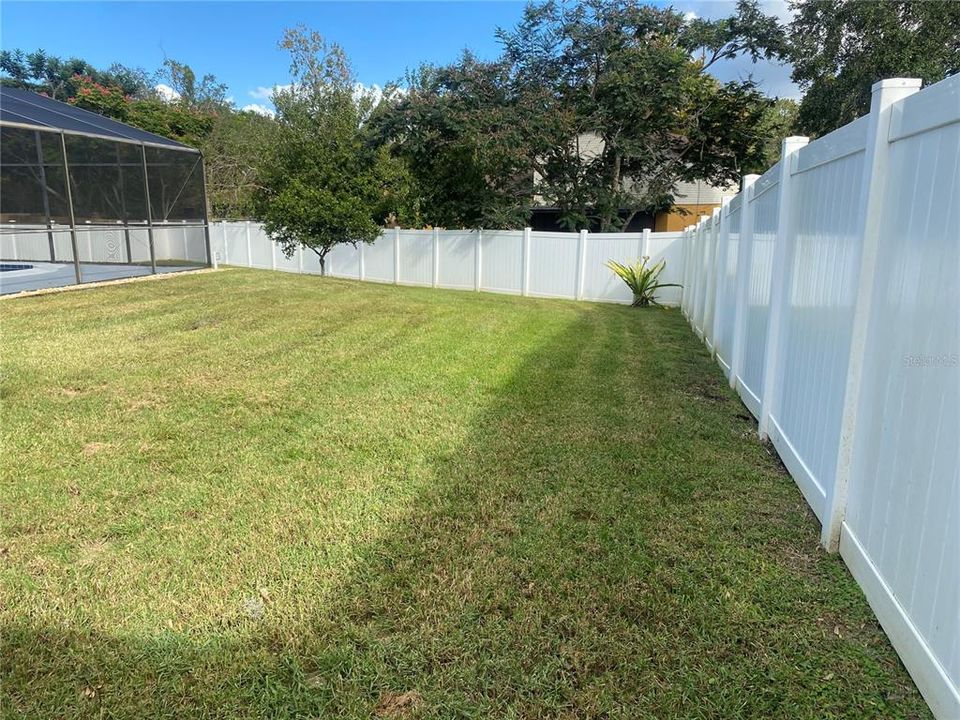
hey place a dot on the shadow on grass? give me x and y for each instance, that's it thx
(610, 541)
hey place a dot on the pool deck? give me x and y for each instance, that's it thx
(44, 275)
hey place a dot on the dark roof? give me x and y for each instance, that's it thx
(29, 108)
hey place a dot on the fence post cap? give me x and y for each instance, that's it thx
(896, 83)
(793, 142)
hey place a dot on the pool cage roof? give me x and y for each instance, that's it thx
(64, 168)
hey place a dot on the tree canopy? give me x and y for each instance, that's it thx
(597, 109)
(840, 48)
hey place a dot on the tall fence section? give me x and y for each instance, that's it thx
(521, 262)
(829, 292)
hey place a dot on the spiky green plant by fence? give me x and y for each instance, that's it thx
(642, 279)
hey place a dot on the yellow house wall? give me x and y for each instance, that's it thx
(676, 220)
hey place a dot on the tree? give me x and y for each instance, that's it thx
(56, 77)
(460, 133)
(631, 80)
(840, 48)
(326, 183)
(778, 122)
(208, 95)
(599, 109)
(236, 150)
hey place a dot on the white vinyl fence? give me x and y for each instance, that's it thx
(98, 244)
(522, 262)
(829, 292)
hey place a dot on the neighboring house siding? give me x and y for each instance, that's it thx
(692, 199)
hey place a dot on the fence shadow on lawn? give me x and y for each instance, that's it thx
(610, 541)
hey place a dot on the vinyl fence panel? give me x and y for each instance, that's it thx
(501, 261)
(823, 241)
(554, 270)
(599, 281)
(838, 304)
(727, 261)
(901, 533)
(457, 259)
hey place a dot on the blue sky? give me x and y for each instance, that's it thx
(237, 41)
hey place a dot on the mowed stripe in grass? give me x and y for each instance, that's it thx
(251, 494)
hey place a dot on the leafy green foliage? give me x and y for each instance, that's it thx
(325, 184)
(642, 279)
(56, 77)
(207, 95)
(840, 48)
(598, 109)
(624, 74)
(459, 130)
(236, 150)
(779, 121)
(176, 121)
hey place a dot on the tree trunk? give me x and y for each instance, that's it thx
(323, 259)
(614, 190)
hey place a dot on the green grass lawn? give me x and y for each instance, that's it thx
(257, 495)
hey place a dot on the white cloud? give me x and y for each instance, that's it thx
(690, 16)
(259, 109)
(265, 93)
(166, 92)
(375, 92)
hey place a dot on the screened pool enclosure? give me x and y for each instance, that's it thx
(84, 198)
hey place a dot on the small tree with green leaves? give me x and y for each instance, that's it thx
(325, 184)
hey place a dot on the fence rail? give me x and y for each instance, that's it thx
(521, 262)
(829, 292)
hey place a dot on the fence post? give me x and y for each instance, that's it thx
(685, 275)
(742, 277)
(273, 254)
(720, 285)
(646, 242)
(581, 263)
(699, 280)
(525, 276)
(875, 167)
(300, 259)
(436, 257)
(780, 277)
(249, 249)
(362, 270)
(223, 234)
(479, 261)
(396, 256)
(710, 282)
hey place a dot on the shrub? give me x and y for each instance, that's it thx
(642, 280)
